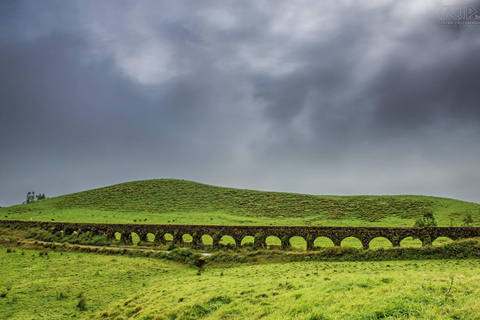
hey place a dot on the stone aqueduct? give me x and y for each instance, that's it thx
(238, 233)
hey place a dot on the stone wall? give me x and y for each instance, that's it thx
(260, 233)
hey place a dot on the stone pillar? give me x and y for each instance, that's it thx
(310, 242)
(216, 239)
(111, 235)
(395, 241)
(238, 240)
(126, 238)
(259, 241)
(285, 242)
(143, 237)
(426, 240)
(196, 240)
(177, 237)
(159, 238)
(365, 243)
(337, 242)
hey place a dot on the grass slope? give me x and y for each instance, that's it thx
(34, 285)
(186, 202)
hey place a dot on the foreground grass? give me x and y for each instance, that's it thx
(315, 290)
(120, 287)
(50, 285)
(169, 201)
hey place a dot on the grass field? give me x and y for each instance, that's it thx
(52, 286)
(241, 283)
(169, 201)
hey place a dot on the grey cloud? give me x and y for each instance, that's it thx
(270, 95)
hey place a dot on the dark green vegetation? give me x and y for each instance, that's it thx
(184, 202)
(64, 285)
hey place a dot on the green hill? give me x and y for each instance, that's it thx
(187, 202)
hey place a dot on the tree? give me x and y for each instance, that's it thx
(427, 220)
(30, 197)
(41, 196)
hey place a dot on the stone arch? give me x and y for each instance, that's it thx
(351, 242)
(441, 241)
(136, 239)
(247, 241)
(323, 242)
(206, 240)
(168, 236)
(273, 242)
(410, 242)
(187, 238)
(379, 242)
(150, 237)
(227, 240)
(298, 242)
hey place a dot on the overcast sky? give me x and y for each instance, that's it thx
(331, 97)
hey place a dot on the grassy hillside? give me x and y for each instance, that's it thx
(186, 202)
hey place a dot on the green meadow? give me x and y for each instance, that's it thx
(170, 201)
(61, 281)
(40, 284)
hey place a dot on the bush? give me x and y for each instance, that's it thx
(427, 220)
(99, 240)
(184, 256)
(39, 234)
(82, 303)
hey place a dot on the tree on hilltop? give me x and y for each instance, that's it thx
(31, 197)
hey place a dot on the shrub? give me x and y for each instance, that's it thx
(82, 303)
(427, 220)
(39, 234)
(184, 256)
(99, 240)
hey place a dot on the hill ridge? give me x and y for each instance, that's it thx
(169, 198)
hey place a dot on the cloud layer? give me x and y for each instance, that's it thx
(322, 98)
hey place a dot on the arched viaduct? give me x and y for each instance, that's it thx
(238, 233)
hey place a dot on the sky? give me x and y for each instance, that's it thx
(319, 97)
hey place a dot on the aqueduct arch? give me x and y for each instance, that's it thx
(238, 233)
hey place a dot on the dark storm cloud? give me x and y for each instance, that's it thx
(280, 95)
